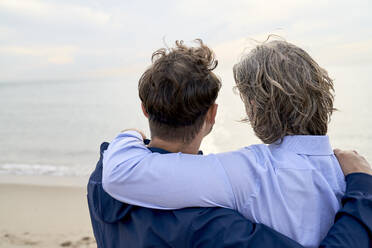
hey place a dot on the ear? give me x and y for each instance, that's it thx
(211, 114)
(144, 111)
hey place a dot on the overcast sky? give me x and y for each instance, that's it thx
(76, 39)
(113, 40)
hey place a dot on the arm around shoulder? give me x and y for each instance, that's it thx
(134, 175)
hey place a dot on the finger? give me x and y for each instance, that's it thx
(336, 150)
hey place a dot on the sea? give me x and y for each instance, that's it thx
(55, 128)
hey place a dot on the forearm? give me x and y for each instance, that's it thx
(353, 223)
(132, 174)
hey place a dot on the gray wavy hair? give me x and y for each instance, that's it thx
(285, 91)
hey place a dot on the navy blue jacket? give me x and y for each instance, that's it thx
(116, 224)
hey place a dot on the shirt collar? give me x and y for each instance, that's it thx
(317, 145)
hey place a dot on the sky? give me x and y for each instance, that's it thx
(76, 39)
(113, 40)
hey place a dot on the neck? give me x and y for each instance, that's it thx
(191, 147)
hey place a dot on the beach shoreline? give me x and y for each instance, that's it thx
(42, 211)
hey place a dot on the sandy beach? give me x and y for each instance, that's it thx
(44, 212)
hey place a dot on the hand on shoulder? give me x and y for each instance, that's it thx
(352, 162)
(137, 130)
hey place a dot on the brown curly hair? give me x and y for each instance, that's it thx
(285, 91)
(178, 89)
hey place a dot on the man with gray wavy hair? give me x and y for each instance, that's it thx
(285, 92)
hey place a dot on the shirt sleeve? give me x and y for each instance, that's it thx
(353, 222)
(134, 175)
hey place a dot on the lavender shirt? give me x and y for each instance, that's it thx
(294, 187)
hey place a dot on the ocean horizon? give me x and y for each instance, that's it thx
(55, 128)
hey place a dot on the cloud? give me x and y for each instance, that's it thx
(245, 15)
(53, 55)
(346, 53)
(119, 71)
(61, 12)
(331, 50)
(104, 38)
(230, 52)
(61, 59)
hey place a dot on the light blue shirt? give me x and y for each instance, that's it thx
(294, 187)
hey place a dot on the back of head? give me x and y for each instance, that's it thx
(178, 89)
(285, 91)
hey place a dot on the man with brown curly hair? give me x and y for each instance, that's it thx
(293, 185)
(178, 93)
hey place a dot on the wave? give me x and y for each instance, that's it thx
(38, 169)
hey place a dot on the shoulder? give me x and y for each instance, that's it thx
(249, 155)
(245, 167)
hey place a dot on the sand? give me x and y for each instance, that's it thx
(44, 213)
